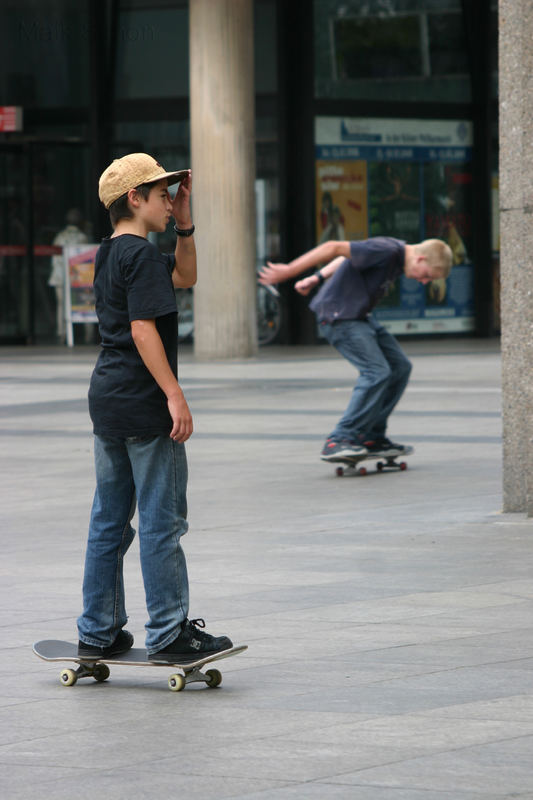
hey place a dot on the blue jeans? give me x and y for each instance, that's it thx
(383, 375)
(152, 473)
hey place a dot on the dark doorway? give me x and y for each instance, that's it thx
(40, 183)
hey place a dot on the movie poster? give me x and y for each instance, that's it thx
(79, 292)
(341, 200)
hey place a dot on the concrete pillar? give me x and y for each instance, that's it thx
(223, 170)
(516, 231)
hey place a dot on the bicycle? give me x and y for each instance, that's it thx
(269, 314)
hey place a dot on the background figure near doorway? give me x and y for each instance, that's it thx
(72, 233)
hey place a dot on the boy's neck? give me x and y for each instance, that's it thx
(134, 226)
(408, 260)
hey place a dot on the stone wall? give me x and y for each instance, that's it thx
(516, 231)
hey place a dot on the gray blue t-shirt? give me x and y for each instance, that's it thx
(132, 280)
(361, 280)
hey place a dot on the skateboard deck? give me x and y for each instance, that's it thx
(98, 668)
(350, 466)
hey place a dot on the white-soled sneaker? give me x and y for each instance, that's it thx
(338, 451)
(192, 641)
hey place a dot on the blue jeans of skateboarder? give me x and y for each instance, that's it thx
(153, 473)
(383, 375)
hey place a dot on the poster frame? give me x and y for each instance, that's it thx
(79, 286)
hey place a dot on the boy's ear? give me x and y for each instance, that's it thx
(134, 198)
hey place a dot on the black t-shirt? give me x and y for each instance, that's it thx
(132, 280)
(361, 280)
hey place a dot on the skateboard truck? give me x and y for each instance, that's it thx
(177, 682)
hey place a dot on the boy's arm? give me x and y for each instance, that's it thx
(312, 281)
(184, 272)
(148, 343)
(327, 251)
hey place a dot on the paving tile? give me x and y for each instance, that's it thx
(500, 768)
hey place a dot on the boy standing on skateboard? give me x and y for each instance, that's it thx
(355, 278)
(141, 419)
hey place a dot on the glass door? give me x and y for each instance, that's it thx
(45, 191)
(14, 268)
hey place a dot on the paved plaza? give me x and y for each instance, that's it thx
(388, 617)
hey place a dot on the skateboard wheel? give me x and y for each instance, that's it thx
(176, 682)
(68, 677)
(362, 470)
(214, 678)
(403, 466)
(339, 472)
(101, 672)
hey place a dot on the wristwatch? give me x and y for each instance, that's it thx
(321, 279)
(184, 231)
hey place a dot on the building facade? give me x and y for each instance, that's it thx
(371, 118)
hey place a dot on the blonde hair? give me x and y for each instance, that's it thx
(438, 255)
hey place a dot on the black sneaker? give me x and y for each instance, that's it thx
(384, 447)
(337, 451)
(122, 644)
(192, 642)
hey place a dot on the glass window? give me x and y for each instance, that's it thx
(376, 48)
(402, 50)
(265, 50)
(447, 44)
(44, 54)
(153, 50)
(13, 253)
(267, 186)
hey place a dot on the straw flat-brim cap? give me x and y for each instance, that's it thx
(130, 171)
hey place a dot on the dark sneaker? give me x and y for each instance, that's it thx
(122, 644)
(384, 447)
(337, 451)
(192, 641)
